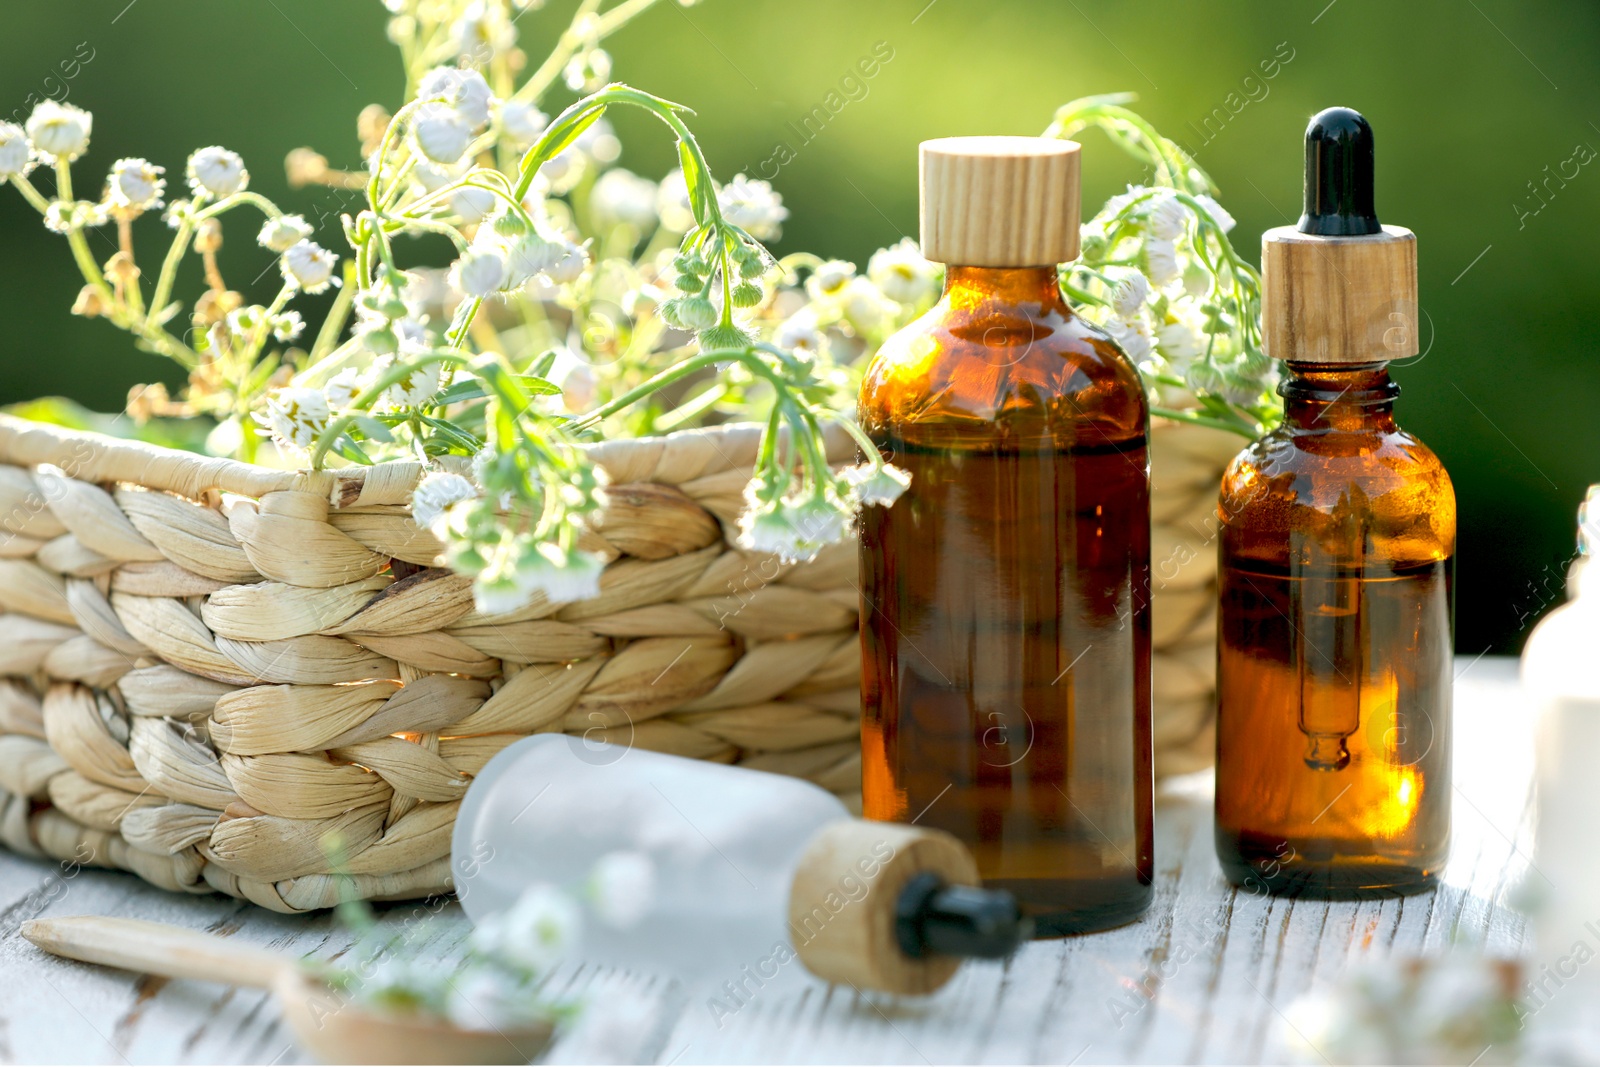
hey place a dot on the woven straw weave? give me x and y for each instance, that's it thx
(207, 668)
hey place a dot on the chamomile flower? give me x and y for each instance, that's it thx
(876, 483)
(295, 416)
(287, 326)
(535, 932)
(59, 132)
(412, 389)
(216, 172)
(342, 389)
(902, 274)
(800, 334)
(134, 185)
(436, 494)
(16, 154)
(309, 266)
(283, 233)
(866, 309)
(751, 205)
(828, 281)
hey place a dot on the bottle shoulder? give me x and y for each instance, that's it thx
(1354, 493)
(988, 373)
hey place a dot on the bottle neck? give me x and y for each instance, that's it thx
(1346, 397)
(1017, 286)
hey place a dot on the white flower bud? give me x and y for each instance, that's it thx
(528, 255)
(480, 272)
(464, 91)
(471, 203)
(1162, 258)
(1218, 213)
(436, 494)
(59, 131)
(16, 154)
(522, 124)
(216, 172)
(283, 233)
(1168, 219)
(570, 267)
(308, 265)
(441, 132)
(879, 484)
(1129, 295)
(135, 185)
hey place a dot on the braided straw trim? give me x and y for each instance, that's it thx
(208, 668)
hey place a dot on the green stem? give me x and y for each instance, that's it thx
(1247, 432)
(30, 194)
(571, 40)
(338, 315)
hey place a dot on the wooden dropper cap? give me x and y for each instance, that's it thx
(1339, 287)
(999, 201)
(895, 908)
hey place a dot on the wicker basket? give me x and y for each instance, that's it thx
(207, 667)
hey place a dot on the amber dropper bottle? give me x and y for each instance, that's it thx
(1337, 536)
(1005, 597)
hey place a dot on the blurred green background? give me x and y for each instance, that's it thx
(1479, 107)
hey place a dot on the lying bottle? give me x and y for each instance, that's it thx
(747, 871)
(1337, 540)
(1005, 613)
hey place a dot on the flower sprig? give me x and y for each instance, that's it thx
(1160, 273)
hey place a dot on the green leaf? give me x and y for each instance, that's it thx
(347, 448)
(557, 140)
(477, 388)
(372, 429)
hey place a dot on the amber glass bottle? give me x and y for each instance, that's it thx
(1337, 540)
(1006, 631)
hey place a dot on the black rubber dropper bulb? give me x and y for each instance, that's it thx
(1339, 176)
(935, 918)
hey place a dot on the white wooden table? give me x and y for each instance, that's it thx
(1204, 977)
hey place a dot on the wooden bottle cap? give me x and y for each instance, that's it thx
(1339, 299)
(999, 201)
(843, 899)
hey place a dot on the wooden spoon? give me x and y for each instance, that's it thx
(333, 1029)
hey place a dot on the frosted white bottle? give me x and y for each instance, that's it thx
(1561, 674)
(751, 870)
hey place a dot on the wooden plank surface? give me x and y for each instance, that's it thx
(1205, 977)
